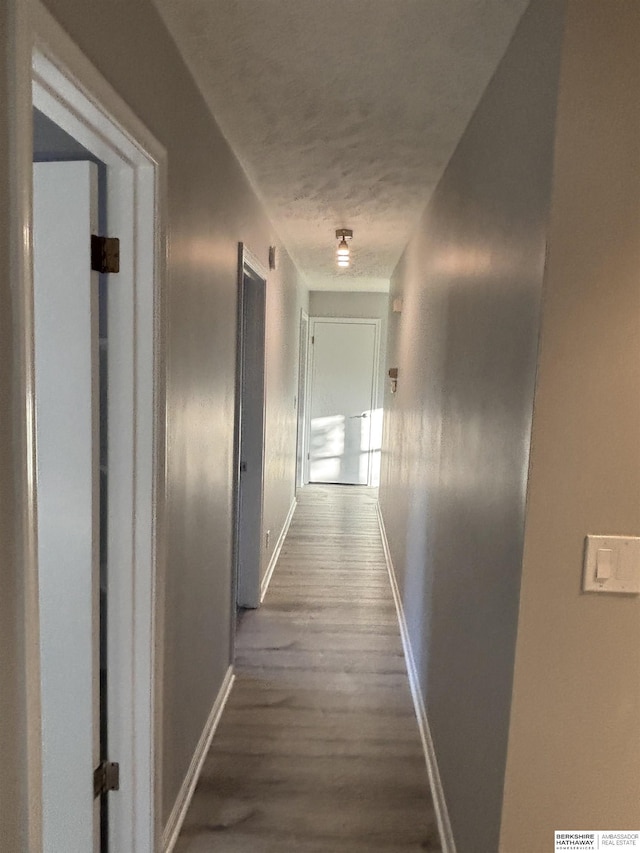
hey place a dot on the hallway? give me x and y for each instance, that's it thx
(318, 748)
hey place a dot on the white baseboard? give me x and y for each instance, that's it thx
(266, 580)
(179, 810)
(439, 802)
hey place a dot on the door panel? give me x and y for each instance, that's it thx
(342, 401)
(66, 361)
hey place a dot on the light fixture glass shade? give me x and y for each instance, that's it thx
(343, 235)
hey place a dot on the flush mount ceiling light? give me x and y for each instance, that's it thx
(343, 235)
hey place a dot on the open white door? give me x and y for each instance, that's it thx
(250, 428)
(344, 355)
(66, 360)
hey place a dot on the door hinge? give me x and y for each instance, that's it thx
(313, 339)
(243, 467)
(105, 254)
(106, 777)
(308, 456)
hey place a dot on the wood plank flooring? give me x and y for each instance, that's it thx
(318, 748)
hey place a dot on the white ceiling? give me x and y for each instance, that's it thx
(344, 113)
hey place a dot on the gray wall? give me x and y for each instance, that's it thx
(456, 446)
(574, 744)
(50, 142)
(284, 304)
(211, 209)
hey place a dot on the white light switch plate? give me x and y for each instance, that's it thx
(612, 564)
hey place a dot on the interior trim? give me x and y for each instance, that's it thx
(185, 794)
(266, 580)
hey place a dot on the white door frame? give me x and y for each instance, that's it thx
(374, 382)
(52, 74)
(302, 463)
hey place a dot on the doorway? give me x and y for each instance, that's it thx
(343, 399)
(250, 420)
(80, 524)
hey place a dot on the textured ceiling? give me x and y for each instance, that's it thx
(343, 114)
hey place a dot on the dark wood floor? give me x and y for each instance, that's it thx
(318, 748)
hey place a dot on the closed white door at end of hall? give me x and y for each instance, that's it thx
(342, 400)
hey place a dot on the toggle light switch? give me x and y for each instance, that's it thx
(604, 559)
(612, 564)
